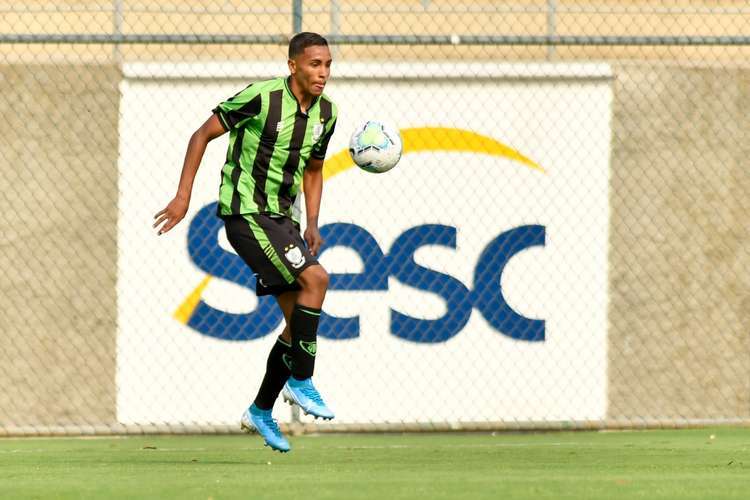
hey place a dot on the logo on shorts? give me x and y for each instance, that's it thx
(317, 131)
(294, 255)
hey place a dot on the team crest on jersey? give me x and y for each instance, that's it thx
(317, 131)
(294, 255)
(280, 126)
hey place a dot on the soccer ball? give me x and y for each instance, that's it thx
(375, 146)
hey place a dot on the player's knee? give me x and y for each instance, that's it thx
(325, 279)
(321, 278)
(315, 278)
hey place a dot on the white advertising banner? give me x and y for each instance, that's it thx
(469, 284)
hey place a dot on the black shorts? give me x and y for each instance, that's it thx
(273, 248)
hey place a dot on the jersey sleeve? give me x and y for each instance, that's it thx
(238, 109)
(319, 150)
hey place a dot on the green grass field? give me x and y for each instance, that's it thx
(705, 463)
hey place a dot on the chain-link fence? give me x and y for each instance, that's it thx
(562, 245)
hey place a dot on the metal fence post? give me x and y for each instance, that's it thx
(296, 16)
(117, 26)
(551, 26)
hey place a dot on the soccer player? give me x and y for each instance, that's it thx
(278, 135)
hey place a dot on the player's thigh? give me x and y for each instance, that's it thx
(244, 241)
(283, 243)
(259, 241)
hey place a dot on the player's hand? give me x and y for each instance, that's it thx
(313, 239)
(173, 213)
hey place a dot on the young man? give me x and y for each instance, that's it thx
(279, 132)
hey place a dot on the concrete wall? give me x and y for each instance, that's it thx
(679, 259)
(58, 255)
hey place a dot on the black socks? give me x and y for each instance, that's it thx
(278, 369)
(284, 360)
(304, 330)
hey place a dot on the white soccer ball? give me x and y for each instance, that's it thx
(375, 146)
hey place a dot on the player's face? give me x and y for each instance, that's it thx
(311, 69)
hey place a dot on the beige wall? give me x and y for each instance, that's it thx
(527, 17)
(58, 255)
(679, 260)
(396, 17)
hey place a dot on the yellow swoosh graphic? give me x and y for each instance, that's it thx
(415, 140)
(437, 139)
(183, 313)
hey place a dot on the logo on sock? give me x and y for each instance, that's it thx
(294, 255)
(309, 347)
(287, 359)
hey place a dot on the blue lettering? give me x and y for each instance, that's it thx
(488, 293)
(374, 276)
(455, 294)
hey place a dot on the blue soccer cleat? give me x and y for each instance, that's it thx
(304, 394)
(255, 419)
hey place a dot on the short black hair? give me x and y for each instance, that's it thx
(301, 41)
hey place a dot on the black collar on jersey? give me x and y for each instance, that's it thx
(288, 87)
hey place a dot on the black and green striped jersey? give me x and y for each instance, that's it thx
(270, 142)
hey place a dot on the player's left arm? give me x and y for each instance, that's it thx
(312, 185)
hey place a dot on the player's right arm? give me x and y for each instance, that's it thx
(176, 209)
